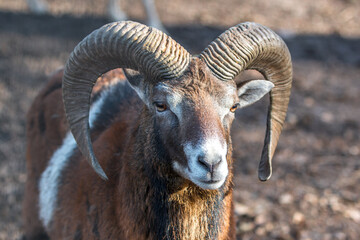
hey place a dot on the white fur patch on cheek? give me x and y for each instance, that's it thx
(50, 178)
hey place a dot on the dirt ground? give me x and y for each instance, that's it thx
(314, 192)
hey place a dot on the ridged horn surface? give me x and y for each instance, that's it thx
(253, 46)
(116, 45)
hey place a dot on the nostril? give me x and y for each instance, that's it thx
(216, 164)
(209, 166)
(206, 165)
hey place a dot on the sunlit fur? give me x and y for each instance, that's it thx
(145, 196)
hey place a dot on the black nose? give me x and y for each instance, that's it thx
(208, 165)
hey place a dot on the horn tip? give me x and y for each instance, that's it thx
(102, 174)
(98, 169)
(264, 177)
(265, 169)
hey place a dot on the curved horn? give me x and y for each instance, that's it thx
(252, 46)
(116, 45)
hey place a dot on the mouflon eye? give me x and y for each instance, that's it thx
(160, 107)
(234, 107)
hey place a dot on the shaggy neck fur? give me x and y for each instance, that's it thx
(174, 207)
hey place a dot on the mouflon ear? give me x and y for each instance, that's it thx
(136, 80)
(252, 91)
(134, 77)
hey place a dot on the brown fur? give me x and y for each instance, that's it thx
(46, 126)
(144, 198)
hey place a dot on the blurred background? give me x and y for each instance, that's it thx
(314, 192)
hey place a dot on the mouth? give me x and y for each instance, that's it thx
(210, 184)
(211, 181)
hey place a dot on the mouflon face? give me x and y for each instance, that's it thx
(193, 117)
